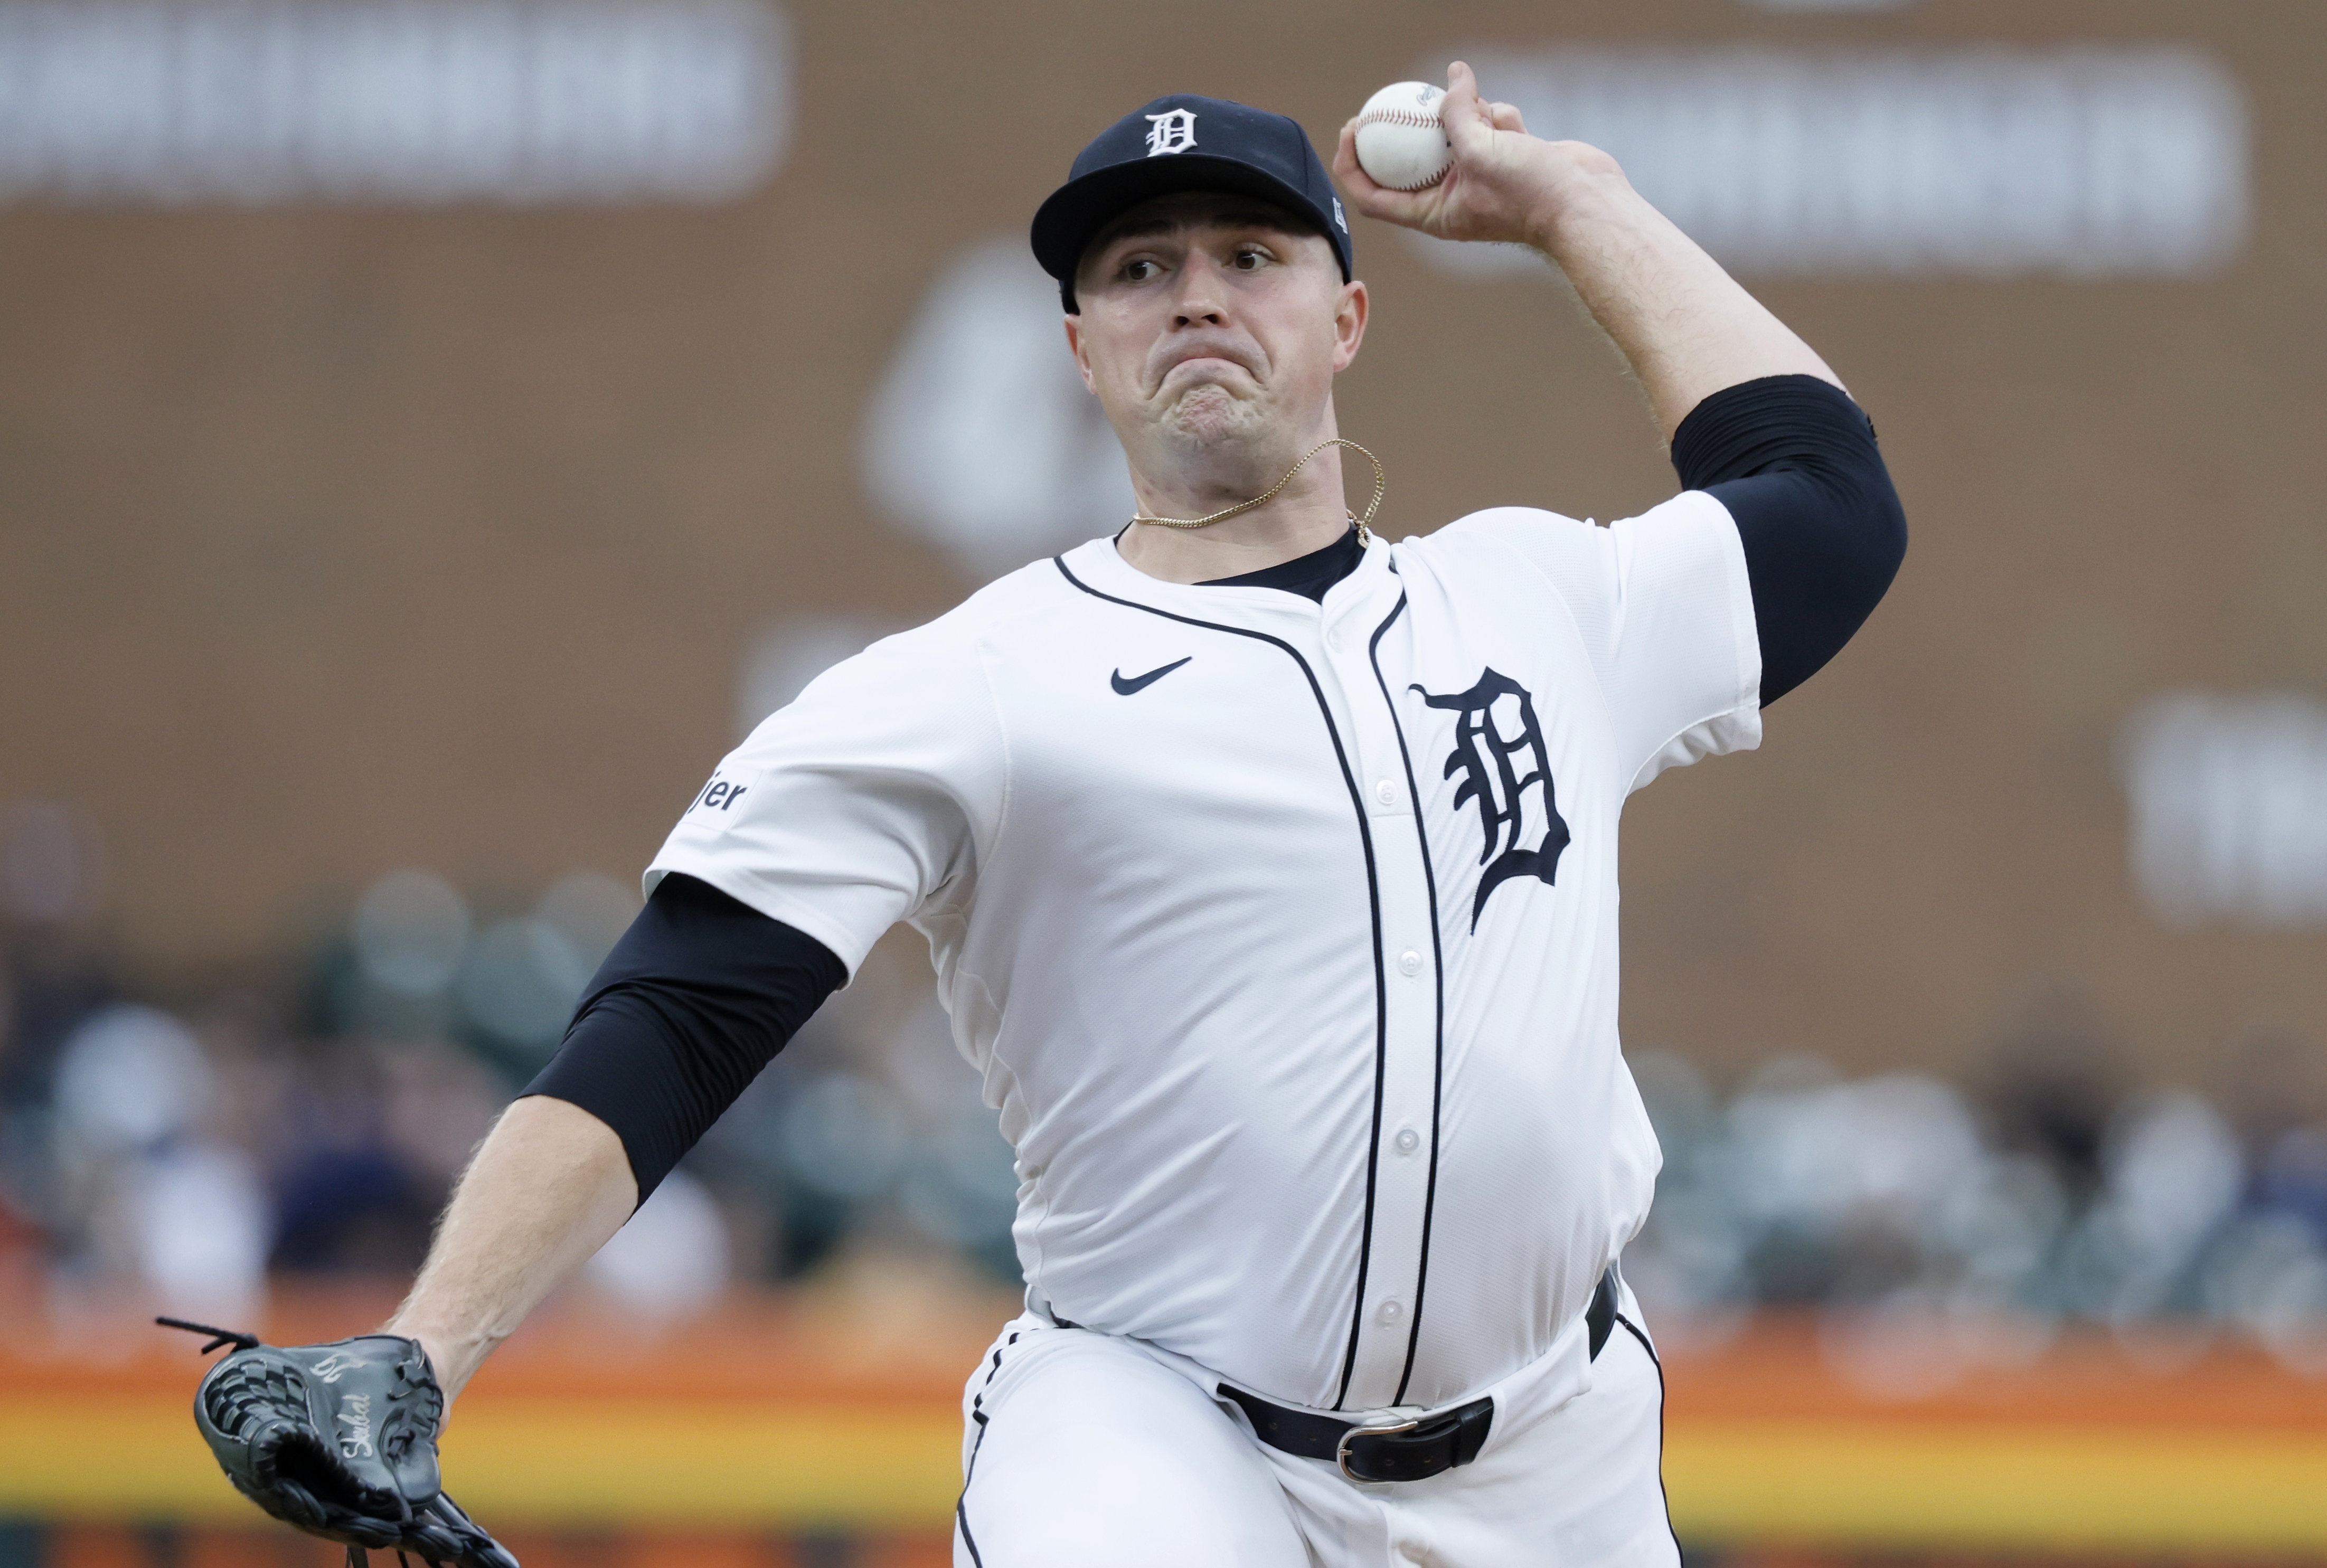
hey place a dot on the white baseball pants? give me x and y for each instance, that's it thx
(1084, 1450)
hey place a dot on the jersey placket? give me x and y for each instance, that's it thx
(1392, 1275)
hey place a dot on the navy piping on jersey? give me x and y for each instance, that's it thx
(1438, 973)
(968, 1471)
(1373, 900)
(1658, 1362)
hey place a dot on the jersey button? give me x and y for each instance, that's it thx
(1386, 792)
(1409, 963)
(1407, 1139)
(1389, 1314)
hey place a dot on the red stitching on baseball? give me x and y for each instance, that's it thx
(1404, 118)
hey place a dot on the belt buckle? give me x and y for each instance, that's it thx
(1368, 1429)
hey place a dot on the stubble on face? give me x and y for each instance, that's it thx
(1209, 416)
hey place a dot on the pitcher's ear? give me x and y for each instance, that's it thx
(1350, 312)
(1074, 325)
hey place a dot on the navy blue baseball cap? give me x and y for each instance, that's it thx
(1185, 143)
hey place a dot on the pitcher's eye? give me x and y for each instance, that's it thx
(1140, 270)
(1250, 260)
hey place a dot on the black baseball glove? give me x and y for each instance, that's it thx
(340, 1440)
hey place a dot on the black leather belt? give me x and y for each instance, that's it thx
(1409, 1451)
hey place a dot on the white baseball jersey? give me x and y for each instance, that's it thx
(1285, 935)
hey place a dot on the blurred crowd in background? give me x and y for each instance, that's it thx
(1941, 1227)
(197, 1147)
(312, 1122)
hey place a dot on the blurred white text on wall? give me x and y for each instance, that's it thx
(2084, 160)
(139, 101)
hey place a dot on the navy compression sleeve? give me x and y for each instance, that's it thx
(1794, 460)
(698, 995)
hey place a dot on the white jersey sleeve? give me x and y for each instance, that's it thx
(867, 800)
(1666, 611)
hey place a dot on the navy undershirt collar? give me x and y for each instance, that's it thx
(1309, 575)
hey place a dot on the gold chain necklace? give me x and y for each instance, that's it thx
(1365, 535)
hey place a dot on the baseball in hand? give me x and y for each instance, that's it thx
(1401, 144)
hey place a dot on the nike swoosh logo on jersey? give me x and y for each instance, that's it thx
(1140, 683)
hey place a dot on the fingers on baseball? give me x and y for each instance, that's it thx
(1469, 120)
(1507, 118)
(1372, 200)
(1349, 171)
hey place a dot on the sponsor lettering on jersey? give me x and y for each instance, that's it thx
(1483, 752)
(718, 795)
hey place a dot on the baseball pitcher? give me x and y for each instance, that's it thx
(1270, 870)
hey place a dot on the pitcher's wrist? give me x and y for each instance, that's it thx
(1576, 189)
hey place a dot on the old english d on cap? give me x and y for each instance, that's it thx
(1185, 143)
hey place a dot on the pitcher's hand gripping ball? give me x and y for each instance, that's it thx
(340, 1440)
(1401, 144)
